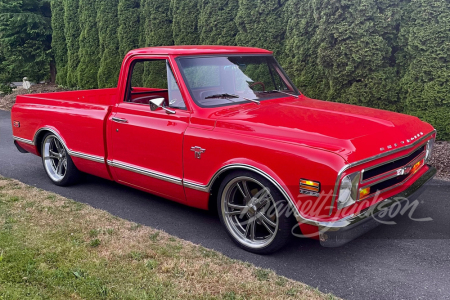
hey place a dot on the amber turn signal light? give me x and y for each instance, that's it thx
(417, 166)
(309, 183)
(364, 192)
(309, 187)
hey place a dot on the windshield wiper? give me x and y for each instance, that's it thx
(229, 96)
(226, 96)
(252, 100)
(282, 92)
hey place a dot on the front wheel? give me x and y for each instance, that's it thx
(57, 162)
(254, 212)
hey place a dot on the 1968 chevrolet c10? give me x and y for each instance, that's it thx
(224, 128)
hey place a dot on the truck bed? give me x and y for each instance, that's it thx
(78, 117)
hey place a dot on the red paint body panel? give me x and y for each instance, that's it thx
(78, 117)
(287, 138)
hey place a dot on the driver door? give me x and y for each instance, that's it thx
(146, 147)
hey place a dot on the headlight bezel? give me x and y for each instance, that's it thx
(429, 149)
(348, 190)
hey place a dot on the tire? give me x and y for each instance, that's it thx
(57, 163)
(254, 212)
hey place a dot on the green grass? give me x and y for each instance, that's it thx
(55, 248)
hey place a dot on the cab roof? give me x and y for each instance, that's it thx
(195, 50)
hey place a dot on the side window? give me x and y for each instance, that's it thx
(175, 98)
(151, 79)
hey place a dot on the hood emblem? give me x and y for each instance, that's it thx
(403, 142)
(404, 171)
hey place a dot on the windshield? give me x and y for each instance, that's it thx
(224, 80)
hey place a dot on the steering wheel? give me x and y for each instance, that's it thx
(256, 83)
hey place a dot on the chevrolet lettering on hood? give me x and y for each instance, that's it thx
(402, 142)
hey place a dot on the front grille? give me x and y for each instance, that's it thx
(396, 164)
(388, 183)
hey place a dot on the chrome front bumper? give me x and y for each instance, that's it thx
(335, 234)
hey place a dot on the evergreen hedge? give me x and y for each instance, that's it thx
(355, 53)
(25, 41)
(380, 53)
(110, 58)
(129, 25)
(300, 58)
(156, 31)
(89, 51)
(261, 24)
(156, 23)
(59, 43)
(216, 24)
(185, 15)
(72, 31)
(425, 82)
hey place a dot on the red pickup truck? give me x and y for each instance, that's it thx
(224, 128)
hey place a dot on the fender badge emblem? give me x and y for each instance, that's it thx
(198, 151)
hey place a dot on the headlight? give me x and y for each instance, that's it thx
(348, 190)
(429, 150)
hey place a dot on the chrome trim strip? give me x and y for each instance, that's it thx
(95, 158)
(146, 172)
(369, 159)
(196, 186)
(16, 138)
(48, 129)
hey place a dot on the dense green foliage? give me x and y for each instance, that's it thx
(4, 82)
(261, 24)
(380, 53)
(355, 52)
(129, 25)
(25, 40)
(425, 82)
(89, 46)
(185, 21)
(59, 41)
(300, 59)
(156, 31)
(156, 23)
(216, 24)
(72, 31)
(110, 58)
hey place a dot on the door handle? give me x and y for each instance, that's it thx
(119, 120)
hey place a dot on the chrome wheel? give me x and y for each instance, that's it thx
(249, 212)
(55, 156)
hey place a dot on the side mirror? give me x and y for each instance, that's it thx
(158, 103)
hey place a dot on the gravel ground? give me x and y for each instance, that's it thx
(440, 159)
(6, 102)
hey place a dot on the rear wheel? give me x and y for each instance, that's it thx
(254, 212)
(57, 162)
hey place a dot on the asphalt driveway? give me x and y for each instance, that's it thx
(410, 260)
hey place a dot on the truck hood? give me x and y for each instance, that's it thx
(354, 132)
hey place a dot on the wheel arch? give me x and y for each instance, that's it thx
(39, 136)
(216, 180)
